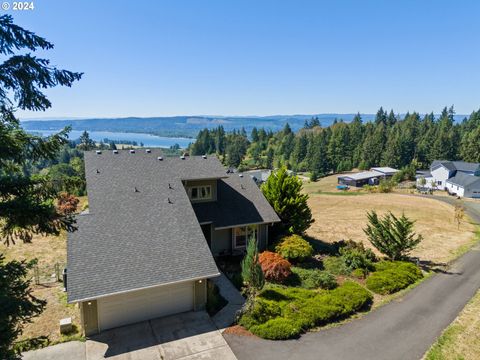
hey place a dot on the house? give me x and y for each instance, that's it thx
(457, 177)
(371, 177)
(146, 247)
(259, 176)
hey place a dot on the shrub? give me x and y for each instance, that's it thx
(386, 186)
(282, 313)
(277, 329)
(392, 236)
(360, 273)
(314, 278)
(262, 311)
(336, 265)
(391, 277)
(294, 248)
(356, 259)
(274, 266)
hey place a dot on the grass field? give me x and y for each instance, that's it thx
(460, 340)
(344, 217)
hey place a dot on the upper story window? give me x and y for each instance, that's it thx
(201, 192)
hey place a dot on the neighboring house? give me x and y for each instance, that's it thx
(259, 176)
(145, 249)
(371, 177)
(457, 177)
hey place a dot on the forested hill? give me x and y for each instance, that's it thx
(189, 126)
(411, 140)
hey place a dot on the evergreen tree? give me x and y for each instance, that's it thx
(284, 193)
(252, 274)
(27, 203)
(86, 143)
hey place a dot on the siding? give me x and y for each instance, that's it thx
(221, 241)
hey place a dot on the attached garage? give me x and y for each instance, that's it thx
(140, 305)
(135, 306)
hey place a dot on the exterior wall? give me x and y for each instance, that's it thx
(221, 241)
(455, 189)
(428, 182)
(440, 175)
(89, 317)
(200, 295)
(212, 183)
(473, 192)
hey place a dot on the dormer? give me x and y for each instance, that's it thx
(201, 190)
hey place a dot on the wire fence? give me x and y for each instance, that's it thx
(47, 274)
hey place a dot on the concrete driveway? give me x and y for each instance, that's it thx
(185, 336)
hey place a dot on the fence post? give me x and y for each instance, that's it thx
(36, 275)
(57, 272)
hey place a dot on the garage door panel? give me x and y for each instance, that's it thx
(122, 309)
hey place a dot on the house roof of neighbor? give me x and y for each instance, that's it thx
(141, 230)
(465, 180)
(361, 175)
(455, 165)
(234, 193)
(385, 170)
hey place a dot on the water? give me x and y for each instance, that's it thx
(146, 139)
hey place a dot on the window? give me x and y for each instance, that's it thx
(203, 192)
(439, 182)
(242, 234)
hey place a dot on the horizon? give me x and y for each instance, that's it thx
(161, 59)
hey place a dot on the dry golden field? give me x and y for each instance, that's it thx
(340, 217)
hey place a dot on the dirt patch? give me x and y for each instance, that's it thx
(344, 217)
(238, 330)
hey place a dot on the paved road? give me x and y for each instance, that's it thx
(404, 329)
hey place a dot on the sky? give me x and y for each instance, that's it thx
(240, 57)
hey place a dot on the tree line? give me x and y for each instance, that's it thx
(389, 140)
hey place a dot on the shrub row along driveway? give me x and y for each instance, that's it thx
(403, 329)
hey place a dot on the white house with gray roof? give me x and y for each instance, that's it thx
(457, 177)
(146, 247)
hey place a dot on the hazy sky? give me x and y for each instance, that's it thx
(227, 57)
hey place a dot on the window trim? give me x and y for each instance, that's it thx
(199, 191)
(248, 230)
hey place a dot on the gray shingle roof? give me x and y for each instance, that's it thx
(141, 230)
(464, 180)
(240, 202)
(455, 165)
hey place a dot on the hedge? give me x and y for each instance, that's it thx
(392, 276)
(282, 313)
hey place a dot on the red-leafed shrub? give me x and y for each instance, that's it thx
(274, 266)
(67, 204)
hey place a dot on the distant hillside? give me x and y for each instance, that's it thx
(188, 126)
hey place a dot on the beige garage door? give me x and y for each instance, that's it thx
(128, 308)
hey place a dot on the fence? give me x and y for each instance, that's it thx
(48, 274)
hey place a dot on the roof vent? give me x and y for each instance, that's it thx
(132, 151)
(243, 187)
(169, 201)
(204, 156)
(148, 151)
(135, 189)
(241, 175)
(182, 157)
(115, 151)
(170, 186)
(98, 152)
(160, 158)
(98, 171)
